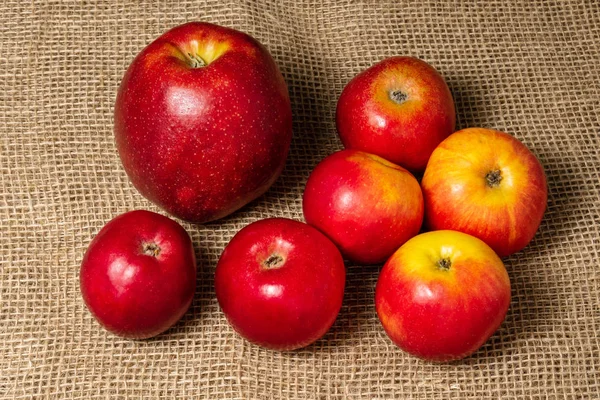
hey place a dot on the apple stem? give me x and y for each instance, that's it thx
(150, 249)
(493, 178)
(444, 264)
(196, 61)
(274, 261)
(398, 96)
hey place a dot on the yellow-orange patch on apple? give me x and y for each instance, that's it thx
(368, 206)
(442, 295)
(488, 184)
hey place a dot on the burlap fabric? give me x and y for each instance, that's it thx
(528, 68)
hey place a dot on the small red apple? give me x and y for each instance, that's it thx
(487, 184)
(442, 295)
(399, 109)
(366, 205)
(203, 121)
(280, 283)
(138, 275)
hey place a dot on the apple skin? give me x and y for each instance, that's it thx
(280, 283)
(201, 142)
(459, 196)
(438, 314)
(138, 275)
(406, 130)
(366, 205)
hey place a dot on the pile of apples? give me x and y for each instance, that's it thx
(203, 125)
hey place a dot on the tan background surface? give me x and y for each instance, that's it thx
(529, 68)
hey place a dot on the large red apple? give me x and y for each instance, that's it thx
(203, 121)
(280, 283)
(138, 275)
(487, 184)
(368, 206)
(399, 109)
(442, 295)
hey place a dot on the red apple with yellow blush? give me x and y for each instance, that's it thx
(203, 121)
(488, 184)
(368, 206)
(442, 295)
(399, 109)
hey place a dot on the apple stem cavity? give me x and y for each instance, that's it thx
(196, 61)
(398, 96)
(493, 178)
(150, 249)
(273, 262)
(444, 264)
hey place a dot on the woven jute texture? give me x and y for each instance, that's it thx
(530, 68)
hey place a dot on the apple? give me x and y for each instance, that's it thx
(488, 184)
(203, 121)
(138, 275)
(366, 205)
(442, 295)
(399, 109)
(280, 283)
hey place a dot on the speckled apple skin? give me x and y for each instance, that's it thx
(203, 142)
(404, 133)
